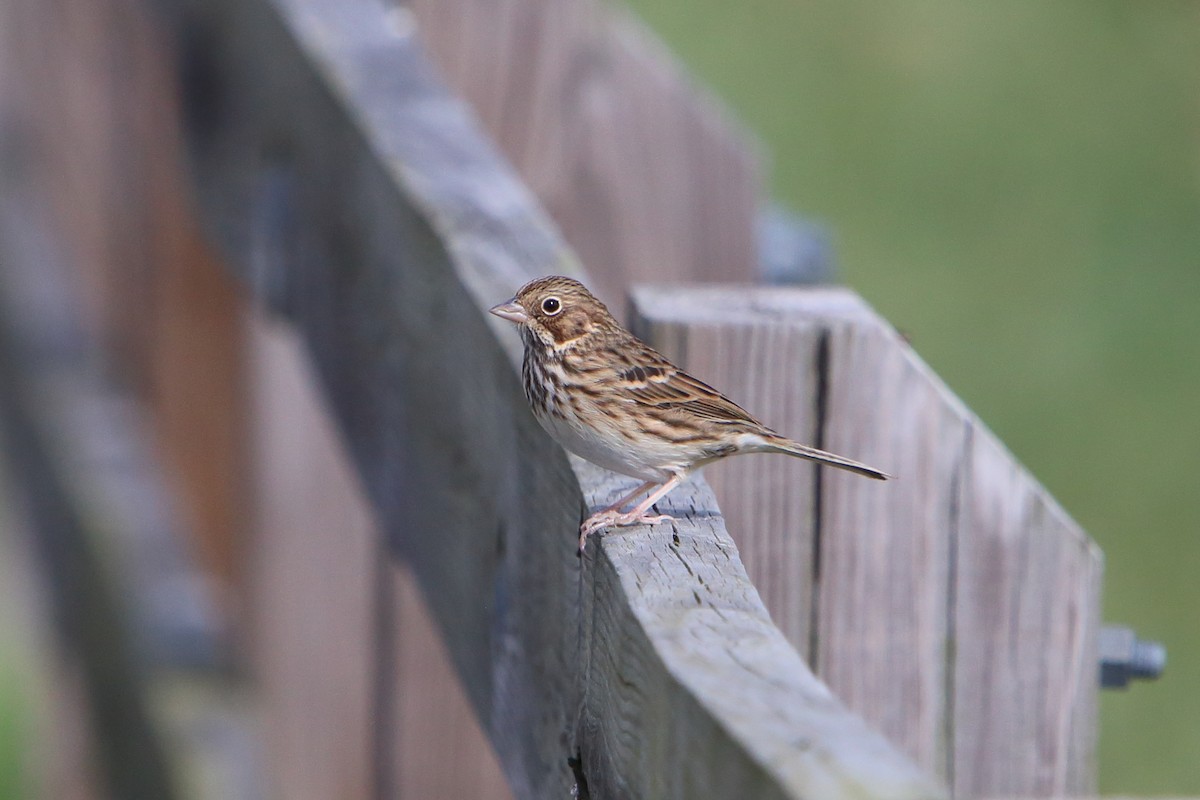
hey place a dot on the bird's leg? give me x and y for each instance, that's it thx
(613, 516)
(620, 503)
(639, 514)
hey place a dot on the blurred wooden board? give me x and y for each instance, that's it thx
(95, 118)
(439, 748)
(1028, 586)
(645, 173)
(310, 574)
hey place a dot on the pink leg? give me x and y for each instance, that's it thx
(617, 505)
(638, 514)
(613, 516)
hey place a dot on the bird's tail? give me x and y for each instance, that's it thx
(780, 444)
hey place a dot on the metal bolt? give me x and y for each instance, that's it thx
(793, 250)
(1124, 657)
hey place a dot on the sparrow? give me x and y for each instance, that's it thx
(610, 398)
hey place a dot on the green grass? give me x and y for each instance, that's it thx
(15, 727)
(1017, 186)
(17, 677)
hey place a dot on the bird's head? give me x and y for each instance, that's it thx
(557, 311)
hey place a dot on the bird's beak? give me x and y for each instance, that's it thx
(511, 312)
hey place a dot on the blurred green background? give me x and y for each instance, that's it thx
(1017, 187)
(15, 727)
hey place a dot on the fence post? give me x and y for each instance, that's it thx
(937, 599)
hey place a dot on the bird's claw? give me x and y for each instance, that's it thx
(610, 518)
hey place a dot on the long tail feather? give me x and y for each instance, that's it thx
(779, 444)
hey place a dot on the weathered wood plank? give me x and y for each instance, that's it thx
(439, 748)
(400, 227)
(645, 174)
(678, 632)
(957, 605)
(1027, 617)
(364, 273)
(885, 563)
(768, 502)
(171, 319)
(393, 721)
(873, 559)
(310, 576)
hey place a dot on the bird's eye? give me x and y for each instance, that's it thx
(551, 306)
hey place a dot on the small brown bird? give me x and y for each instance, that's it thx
(607, 396)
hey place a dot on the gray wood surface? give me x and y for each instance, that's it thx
(646, 175)
(678, 632)
(883, 602)
(768, 501)
(362, 201)
(340, 633)
(956, 606)
(1028, 586)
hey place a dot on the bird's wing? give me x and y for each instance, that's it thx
(657, 382)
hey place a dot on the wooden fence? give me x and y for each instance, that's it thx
(410, 525)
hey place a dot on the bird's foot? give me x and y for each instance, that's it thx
(612, 518)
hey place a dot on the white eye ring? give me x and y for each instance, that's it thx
(551, 306)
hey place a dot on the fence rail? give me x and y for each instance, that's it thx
(650, 669)
(370, 218)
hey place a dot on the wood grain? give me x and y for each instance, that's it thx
(956, 605)
(402, 226)
(885, 563)
(767, 501)
(1027, 618)
(677, 631)
(874, 562)
(363, 204)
